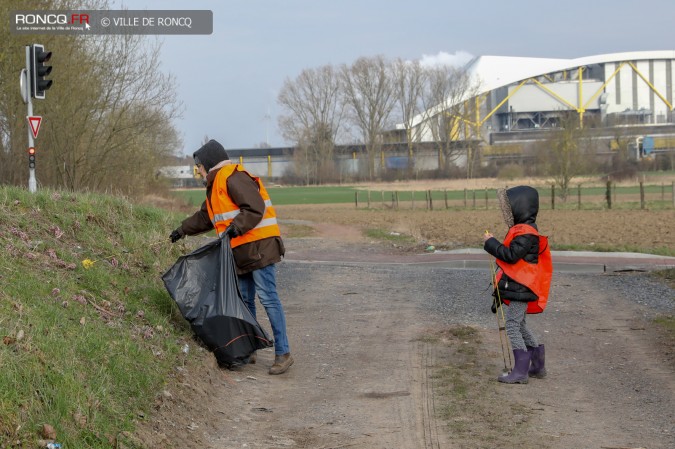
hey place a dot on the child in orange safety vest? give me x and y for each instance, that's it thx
(523, 278)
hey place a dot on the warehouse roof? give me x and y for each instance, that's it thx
(493, 72)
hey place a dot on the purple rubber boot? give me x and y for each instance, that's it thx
(518, 374)
(537, 368)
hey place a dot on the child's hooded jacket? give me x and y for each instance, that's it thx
(520, 206)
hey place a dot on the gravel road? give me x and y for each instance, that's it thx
(371, 355)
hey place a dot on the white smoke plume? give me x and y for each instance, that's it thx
(458, 59)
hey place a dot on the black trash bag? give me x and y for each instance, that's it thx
(205, 287)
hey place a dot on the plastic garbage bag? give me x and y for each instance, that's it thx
(205, 287)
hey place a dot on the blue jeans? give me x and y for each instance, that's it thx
(264, 282)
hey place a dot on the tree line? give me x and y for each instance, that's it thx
(363, 101)
(107, 119)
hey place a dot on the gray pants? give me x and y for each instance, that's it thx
(519, 334)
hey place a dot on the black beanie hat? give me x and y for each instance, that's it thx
(210, 155)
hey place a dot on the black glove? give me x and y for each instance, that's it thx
(176, 235)
(232, 231)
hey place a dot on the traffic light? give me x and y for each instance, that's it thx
(31, 157)
(38, 70)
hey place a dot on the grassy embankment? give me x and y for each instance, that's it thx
(89, 334)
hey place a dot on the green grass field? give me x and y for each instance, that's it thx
(289, 195)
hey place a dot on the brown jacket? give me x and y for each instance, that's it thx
(243, 191)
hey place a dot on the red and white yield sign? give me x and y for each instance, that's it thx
(34, 122)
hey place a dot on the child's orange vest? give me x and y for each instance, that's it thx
(536, 277)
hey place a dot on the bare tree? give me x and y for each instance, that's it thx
(410, 81)
(125, 106)
(370, 93)
(107, 119)
(565, 155)
(447, 113)
(313, 117)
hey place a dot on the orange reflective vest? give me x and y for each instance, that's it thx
(222, 209)
(536, 277)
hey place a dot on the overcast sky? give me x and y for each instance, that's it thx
(229, 80)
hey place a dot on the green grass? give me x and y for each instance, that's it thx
(288, 195)
(667, 323)
(333, 195)
(83, 349)
(667, 276)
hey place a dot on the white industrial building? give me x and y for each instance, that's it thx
(513, 99)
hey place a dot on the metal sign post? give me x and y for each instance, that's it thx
(27, 97)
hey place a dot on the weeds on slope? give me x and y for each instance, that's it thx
(88, 332)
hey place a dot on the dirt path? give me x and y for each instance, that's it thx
(359, 379)
(383, 361)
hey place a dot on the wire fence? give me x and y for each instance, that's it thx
(610, 196)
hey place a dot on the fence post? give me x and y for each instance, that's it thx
(464, 198)
(608, 194)
(474, 198)
(579, 196)
(445, 193)
(672, 194)
(431, 201)
(396, 199)
(486, 198)
(552, 196)
(412, 192)
(356, 199)
(642, 195)
(368, 199)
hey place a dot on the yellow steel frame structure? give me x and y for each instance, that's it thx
(651, 86)
(580, 107)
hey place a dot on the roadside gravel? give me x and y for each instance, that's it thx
(464, 296)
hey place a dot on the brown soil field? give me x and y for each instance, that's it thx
(654, 178)
(647, 231)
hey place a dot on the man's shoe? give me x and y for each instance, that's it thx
(281, 363)
(252, 358)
